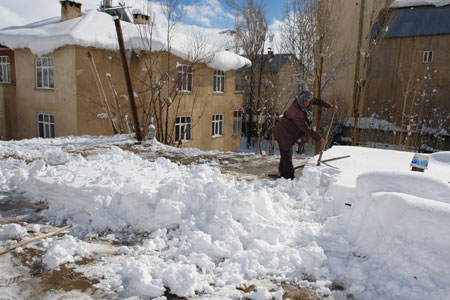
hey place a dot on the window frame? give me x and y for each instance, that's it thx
(217, 125)
(219, 81)
(5, 66)
(180, 125)
(48, 126)
(427, 56)
(237, 121)
(47, 70)
(185, 78)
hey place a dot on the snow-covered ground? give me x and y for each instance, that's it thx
(363, 227)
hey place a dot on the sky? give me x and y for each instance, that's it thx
(204, 13)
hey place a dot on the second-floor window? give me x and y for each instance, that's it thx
(44, 73)
(219, 81)
(183, 129)
(427, 56)
(217, 125)
(5, 69)
(185, 76)
(46, 126)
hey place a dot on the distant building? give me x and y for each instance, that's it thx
(48, 88)
(388, 41)
(353, 21)
(408, 76)
(280, 83)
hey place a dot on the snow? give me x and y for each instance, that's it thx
(370, 123)
(366, 222)
(97, 29)
(66, 250)
(409, 3)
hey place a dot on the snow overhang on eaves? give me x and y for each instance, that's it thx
(96, 29)
(413, 3)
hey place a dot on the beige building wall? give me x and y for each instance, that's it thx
(76, 103)
(59, 102)
(346, 16)
(89, 106)
(200, 104)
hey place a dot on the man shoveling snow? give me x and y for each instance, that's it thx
(295, 124)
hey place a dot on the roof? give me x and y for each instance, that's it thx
(97, 29)
(273, 64)
(419, 21)
(410, 3)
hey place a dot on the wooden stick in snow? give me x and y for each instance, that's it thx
(35, 238)
(101, 91)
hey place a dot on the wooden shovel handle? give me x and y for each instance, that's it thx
(326, 138)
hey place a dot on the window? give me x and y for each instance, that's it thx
(5, 69)
(217, 125)
(44, 73)
(46, 126)
(427, 56)
(219, 81)
(185, 78)
(183, 129)
(237, 121)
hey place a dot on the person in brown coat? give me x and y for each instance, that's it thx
(295, 124)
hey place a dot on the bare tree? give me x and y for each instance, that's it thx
(174, 14)
(251, 33)
(161, 88)
(307, 32)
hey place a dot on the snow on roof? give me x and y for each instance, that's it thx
(96, 29)
(408, 3)
(75, 1)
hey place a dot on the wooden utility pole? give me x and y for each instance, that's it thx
(126, 69)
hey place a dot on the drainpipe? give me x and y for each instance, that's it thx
(357, 65)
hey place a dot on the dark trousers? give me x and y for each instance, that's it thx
(286, 169)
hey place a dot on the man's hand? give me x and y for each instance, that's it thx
(323, 141)
(334, 108)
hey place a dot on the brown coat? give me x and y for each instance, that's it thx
(293, 125)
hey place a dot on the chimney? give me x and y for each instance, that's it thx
(106, 4)
(140, 18)
(70, 9)
(270, 53)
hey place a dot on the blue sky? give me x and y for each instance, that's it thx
(214, 15)
(204, 13)
(223, 18)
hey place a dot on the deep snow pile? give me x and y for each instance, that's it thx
(209, 231)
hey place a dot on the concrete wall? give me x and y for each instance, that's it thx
(60, 101)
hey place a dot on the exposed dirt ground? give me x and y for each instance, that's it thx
(24, 276)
